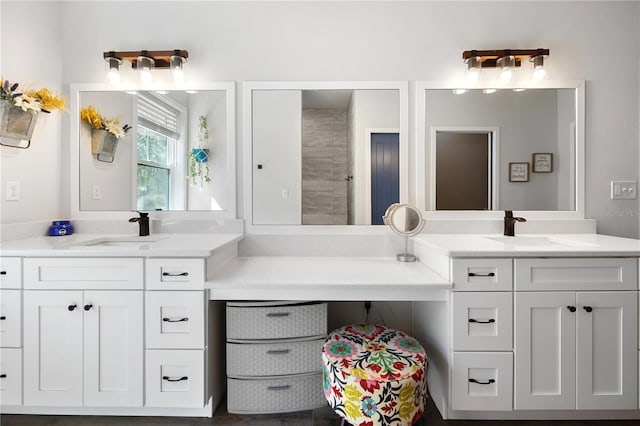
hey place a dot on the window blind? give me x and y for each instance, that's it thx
(158, 116)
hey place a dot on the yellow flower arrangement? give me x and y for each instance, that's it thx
(32, 100)
(112, 125)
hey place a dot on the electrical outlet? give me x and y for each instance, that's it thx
(624, 189)
(13, 191)
(285, 193)
(97, 192)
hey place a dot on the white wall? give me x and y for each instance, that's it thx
(30, 48)
(412, 41)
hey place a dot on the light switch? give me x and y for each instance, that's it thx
(624, 189)
(97, 192)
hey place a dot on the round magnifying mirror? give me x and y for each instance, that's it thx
(406, 221)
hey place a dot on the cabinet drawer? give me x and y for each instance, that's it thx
(274, 359)
(175, 319)
(482, 381)
(481, 274)
(175, 378)
(276, 322)
(10, 318)
(576, 274)
(83, 274)
(10, 376)
(275, 395)
(482, 321)
(10, 272)
(175, 274)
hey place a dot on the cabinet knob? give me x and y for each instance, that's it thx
(587, 308)
(88, 307)
(177, 379)
(488, 382)
(571, 308)
(72, 307)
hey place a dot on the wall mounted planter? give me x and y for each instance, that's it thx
(16, 123)
(200, 155)
(103, 145)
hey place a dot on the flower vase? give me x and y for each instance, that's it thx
(16, 123)
(103, 145)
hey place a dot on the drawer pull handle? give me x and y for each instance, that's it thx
(488, 382)
(71, 308)
(490, 274)
(3, 376)
(587, 308)
(179, 379)
(278, 388)
(184, 319)
(175, 274)
(88, 307)
(278, 314)
(278, 351)
(3, 272)
(2, 318)
(489, 321)
(571, 308)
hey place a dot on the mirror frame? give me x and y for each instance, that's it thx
(74, 150)
(250, 86)
(424, 148)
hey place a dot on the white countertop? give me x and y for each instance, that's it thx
(159, 245)
(325, 278)
(529, 245)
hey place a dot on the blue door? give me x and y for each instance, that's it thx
(385, 174)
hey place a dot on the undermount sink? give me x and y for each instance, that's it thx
(129, 242)
(535, 241)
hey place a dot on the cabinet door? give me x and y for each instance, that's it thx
(53, 348)
(607, 329)
(545, 351)
(113, 348)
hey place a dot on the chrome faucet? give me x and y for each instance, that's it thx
(143, 221)
(510, 223)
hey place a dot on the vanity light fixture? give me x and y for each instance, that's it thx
(489, 91)
(460, 91)
(506, 59)
(145, 61)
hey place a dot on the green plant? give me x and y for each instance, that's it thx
(199, 156)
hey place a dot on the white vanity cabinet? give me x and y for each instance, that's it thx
(576, 350)
(10, 331)
(83, 347)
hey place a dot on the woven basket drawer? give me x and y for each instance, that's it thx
(279, 395)
(274, 359)
(276, 322)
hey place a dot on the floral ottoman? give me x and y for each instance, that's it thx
(374, 375)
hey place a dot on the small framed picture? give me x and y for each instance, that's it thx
(518, 172)
(542, 162)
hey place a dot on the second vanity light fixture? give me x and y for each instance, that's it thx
(507, 60)
(145, 61)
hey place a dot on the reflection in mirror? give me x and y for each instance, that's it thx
(406, 221)
(474, 136)
(151, 166)
(324, 156)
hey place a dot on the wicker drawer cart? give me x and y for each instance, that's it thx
(274, 362)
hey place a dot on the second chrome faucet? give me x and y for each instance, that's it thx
(510, 223)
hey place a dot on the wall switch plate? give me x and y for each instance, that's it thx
(13, 190)
(624, 189)
(285, 193)
(97, 192)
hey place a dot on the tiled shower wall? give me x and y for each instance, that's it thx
(324, 166)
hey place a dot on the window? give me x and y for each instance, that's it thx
(158, 141)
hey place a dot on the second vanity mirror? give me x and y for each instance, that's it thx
(178, 155)
(485, 150)
(324, 153)
(406, 221)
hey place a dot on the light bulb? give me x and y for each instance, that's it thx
(114, 76)
(144, 65)
(178, 74)
(488, 91)
(459, 91)
(113, 63)
(507, 64)
(474, 64)
(539, 70)
(176, 62)
(145, 75)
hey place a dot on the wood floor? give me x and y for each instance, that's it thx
(319, 417)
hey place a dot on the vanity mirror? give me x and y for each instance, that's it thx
(406, 221)
(152, 168)
(467, 140)
(324, 153)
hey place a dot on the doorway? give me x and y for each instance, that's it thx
(465, 169)
(385, 173)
